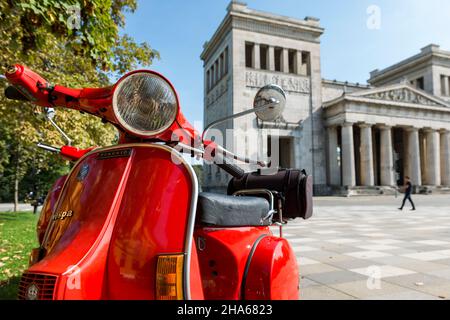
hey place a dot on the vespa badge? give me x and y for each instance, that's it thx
(32, 292)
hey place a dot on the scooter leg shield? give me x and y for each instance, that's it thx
(272, 272)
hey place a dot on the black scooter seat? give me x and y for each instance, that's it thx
(230, 211)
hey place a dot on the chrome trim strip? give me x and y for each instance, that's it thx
(190, 229)
(247, 265)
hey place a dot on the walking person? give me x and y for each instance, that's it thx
(408, 191)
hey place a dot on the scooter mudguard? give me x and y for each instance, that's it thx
(272, 273)
(119, 209)
(223, 255)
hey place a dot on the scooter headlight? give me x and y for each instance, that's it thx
(145, 104)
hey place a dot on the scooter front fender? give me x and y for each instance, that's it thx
(272, 272)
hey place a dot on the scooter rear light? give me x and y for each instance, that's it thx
(169, 277)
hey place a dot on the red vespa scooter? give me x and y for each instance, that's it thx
(128, 221)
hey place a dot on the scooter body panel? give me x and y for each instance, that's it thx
(273, 271)
(223, 255)
(49, 207)
(132, 204)
(152, 220)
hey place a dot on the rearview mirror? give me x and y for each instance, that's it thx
(268, 105)
(273, 99)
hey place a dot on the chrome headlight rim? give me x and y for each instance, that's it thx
(134, 131)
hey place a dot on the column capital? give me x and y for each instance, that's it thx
(365, 125)
(430, 130)
(412, 129)
(347, 124)
(444, 131)
(384, 126)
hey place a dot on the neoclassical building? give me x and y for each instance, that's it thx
(353, 138)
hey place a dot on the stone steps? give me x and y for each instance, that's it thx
(364, 191)
(432, 190)
(378, 191)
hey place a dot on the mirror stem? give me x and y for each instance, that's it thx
(237, 115)
(68, 140)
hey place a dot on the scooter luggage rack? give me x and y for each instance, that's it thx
(271, 200)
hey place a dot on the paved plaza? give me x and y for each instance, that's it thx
(365, 248)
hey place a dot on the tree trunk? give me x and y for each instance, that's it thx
(16, 193)
(16, 180)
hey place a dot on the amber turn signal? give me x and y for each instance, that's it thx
(169, 277)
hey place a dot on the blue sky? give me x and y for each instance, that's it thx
(350, 50)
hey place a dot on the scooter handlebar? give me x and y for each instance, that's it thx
(231, 169)
(29, 84)
(12, 93)
(68, 152)
(46, 147)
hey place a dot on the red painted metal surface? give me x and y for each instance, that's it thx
(196, 277)
(273, 273)
(49, 207)
(223, 253)
(73, 154)
(152, 220)
(124, 214)
(77, 245)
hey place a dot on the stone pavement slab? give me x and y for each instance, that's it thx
(364, 248)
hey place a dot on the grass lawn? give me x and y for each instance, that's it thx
(17, 238)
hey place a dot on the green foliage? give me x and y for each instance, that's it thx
(90, 28)
(39, 34)
(18, 237)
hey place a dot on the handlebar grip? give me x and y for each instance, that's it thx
(231, 169)
(12, 93)
(30, 84)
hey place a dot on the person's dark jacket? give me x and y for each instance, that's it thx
(408, 188)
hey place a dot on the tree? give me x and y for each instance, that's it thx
(75, 43)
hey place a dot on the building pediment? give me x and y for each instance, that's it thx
(401, 93)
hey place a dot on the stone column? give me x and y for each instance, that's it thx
(348, 156)
(334, 173)
(445, 157)
(271, 62)
(256, 57)
(298, 62)
(386, 157)
(367, 176)
(447, 86)
(433, 166)
(285, 61)
(219, 69)
(413, 156)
